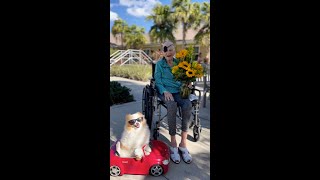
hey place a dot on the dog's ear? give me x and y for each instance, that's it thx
(128, 117)
(140, 114)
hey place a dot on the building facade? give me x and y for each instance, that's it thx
(149, 48)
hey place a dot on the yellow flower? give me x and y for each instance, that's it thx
(175, 69)
(183, 52)
(199, 67)
(178, 55)
(199, 75)
(190, 73)
(185, 65)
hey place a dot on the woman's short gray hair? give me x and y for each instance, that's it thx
(166, 45)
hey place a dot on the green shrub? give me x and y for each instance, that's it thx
(112, 50)
(135, 72)
(119, 94)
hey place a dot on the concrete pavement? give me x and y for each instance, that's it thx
(199, 169)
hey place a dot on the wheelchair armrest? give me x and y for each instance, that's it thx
(152, 80)
(194, 89)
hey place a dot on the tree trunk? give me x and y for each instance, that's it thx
(210, 54)
(184, 35)
(121, 41)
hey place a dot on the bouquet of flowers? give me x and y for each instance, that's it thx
(187, 70)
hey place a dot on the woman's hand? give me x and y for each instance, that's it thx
(168, 96)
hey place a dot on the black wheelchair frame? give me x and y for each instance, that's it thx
(151, 102)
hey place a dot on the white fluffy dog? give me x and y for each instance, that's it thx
(136, 134)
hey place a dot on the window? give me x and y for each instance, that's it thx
(196, 50)
(147, 51)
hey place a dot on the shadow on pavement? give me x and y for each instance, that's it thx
(199, 169)
(136, 88)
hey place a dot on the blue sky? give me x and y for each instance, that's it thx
(135, 11)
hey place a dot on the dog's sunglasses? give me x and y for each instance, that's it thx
(132, 121)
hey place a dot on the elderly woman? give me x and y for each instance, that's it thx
(169, 92)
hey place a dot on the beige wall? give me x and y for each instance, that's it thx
(205, 52)
(178, 35)
(115, 40)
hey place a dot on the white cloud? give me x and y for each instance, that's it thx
(139, 8)
(113, 5)
(113, 16)
(139, 12)
(130, 3)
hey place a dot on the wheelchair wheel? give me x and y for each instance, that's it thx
(155, 134)
(196, 133)
(147, 104)
(144, 97)
(154, 129)
(191, 125)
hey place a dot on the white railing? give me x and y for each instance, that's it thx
(202, 78)
(204, 83)
(206, 75)
(129, 56)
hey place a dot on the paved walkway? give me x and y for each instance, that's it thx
(199, 169)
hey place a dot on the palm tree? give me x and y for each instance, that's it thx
(203, 35)
(134, 37)
(188, 14)
(119, 27)
(164, 24)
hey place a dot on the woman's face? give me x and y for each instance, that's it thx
(170, 53)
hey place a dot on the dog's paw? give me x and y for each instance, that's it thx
(147, 150)
(138, 152)
(117, 153)
(138, 158)
(118, 149)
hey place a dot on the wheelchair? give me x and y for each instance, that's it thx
(151, 106)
